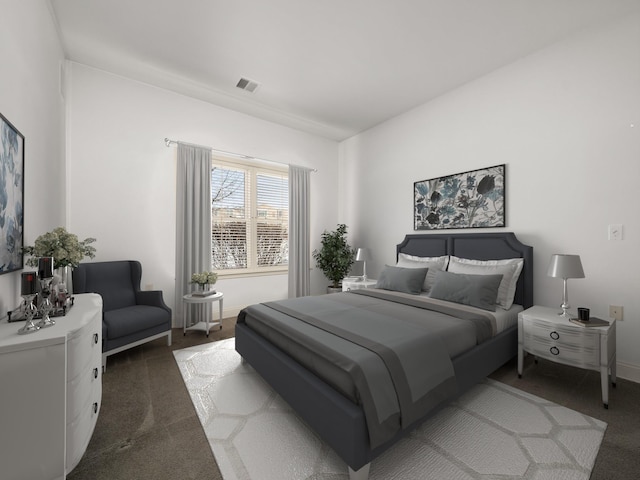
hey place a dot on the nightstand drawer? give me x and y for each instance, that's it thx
(574, 355)
(564, 344)
(566, 335)
(356, 283)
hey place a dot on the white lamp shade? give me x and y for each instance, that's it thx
(362, 255)
(565, 266)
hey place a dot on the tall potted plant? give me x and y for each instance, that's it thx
(336, 256)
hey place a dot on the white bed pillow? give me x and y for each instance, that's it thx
(432, 263)
(509, 268)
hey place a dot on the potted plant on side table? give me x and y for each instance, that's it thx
(335, 256)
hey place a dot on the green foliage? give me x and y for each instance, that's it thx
(335, 257)
(64, 247)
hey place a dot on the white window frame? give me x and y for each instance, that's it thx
(253, 210)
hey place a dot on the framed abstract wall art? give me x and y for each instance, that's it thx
(11, 197)
(474, 199)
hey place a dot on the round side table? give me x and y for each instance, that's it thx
(207, 324)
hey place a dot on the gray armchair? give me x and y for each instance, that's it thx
(130, 316)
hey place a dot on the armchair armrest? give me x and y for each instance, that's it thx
(152, 298)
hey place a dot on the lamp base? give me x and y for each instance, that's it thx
(565, 311)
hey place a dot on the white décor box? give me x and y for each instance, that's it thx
(51, 392)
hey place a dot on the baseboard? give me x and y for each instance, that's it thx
(628, 371)
(231, 312)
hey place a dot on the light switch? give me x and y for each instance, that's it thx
(615, 231)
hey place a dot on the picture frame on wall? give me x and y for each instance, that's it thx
(473, 199)
(11, 197)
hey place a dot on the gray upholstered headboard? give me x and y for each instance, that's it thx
(478, 246)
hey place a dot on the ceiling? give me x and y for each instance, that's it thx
(329, 67)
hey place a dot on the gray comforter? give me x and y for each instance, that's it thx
(389, 352)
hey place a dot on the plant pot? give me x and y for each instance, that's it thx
(331, 289)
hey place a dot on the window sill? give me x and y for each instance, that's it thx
(270, 273)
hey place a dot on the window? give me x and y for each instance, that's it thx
(250, 218)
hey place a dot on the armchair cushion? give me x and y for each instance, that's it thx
(129, 320)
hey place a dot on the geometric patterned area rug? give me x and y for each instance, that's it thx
(493, 431)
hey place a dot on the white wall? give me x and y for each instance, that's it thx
(561, 120)
(30, 99)
(122, 176)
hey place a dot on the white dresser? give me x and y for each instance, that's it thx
(544, 333)
(51, 389)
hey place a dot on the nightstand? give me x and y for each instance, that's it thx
(356, 283)
(205, 325)
(544, 333)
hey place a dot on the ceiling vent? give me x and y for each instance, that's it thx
(248, 85)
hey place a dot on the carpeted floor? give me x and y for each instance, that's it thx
(148, 428)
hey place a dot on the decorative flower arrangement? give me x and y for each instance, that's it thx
(64, 247)
(204, 278)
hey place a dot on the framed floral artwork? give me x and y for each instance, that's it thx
(473, 199)
(11, 197)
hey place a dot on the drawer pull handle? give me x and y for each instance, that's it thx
(555, 335)
(95, 338)
(554, 351)
(95, 407)
(95, 372)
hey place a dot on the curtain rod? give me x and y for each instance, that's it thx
(168, 142)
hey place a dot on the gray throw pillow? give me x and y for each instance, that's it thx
(399, 279)
(475, 290)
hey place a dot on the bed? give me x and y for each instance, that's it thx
(338, 417)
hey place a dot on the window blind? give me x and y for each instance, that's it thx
(250, 218)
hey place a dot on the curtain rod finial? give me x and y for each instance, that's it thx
(167, 142)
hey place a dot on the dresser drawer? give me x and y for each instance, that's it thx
(80, 429)
(83, 346)
(81, 388)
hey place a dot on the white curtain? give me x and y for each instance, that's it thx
(193, 225)
(299, 232)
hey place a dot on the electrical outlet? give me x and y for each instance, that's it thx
(148, 286)
(615, 311)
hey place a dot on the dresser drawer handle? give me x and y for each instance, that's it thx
(96, 337)
(555, 335)
(95, 407)
(554, 351)
(95, 372)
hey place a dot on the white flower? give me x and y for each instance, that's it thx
(64, 247)
(204, 278)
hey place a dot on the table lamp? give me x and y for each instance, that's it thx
(565, 267)
(362, 256)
